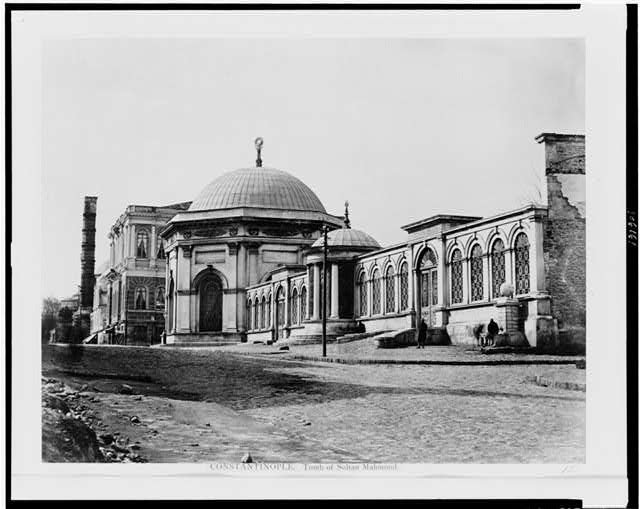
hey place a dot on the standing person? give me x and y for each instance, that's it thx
(422, 333)
(492, 331)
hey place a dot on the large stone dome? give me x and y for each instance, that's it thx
(258, 187)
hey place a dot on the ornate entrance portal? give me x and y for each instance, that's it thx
(210, 290)
(428, 277)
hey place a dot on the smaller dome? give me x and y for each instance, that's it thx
(348, 237)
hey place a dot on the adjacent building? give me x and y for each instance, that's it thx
(129, 294)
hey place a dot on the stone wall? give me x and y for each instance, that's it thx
(564, 234)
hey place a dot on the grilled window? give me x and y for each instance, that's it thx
(294, 307)
(390, 291)
(477, 281)
(522, 264)
(362, 294)
(375, 293)
(303, 303)
(497, 267)
(404, 287)
(457, 286)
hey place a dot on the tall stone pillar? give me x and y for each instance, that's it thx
(87, 252)
(466, 290)
(536, 262)
(183, 283)
(241, 284)
(416, 294)
(316, 292)
(133, 248)
(485, 277)
(334, 291)
(153, 243)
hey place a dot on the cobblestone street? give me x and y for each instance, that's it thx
(287, 410)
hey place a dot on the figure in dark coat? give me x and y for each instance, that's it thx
(422, 334)
(492, 331)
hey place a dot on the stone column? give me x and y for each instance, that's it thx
(133, 248)
(334, 291)
(508, 267)
(153, 246)
(183, 283)
(241, 283)
(536, 259)
(486, 273)
(466, 275)
(416, 292)
(316, 292)
(369, 283)
(308, 293)
(127, 239)
(410, 278)
(396, 286)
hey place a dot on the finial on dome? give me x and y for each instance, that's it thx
(347, 222)
(259, 142)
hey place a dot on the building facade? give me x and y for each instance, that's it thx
(129, 294)
(524, 268)
(243, 262)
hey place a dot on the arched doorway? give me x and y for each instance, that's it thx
(210, 299)
(428, 280)
(280, 315)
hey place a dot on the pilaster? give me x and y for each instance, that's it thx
(334, 291)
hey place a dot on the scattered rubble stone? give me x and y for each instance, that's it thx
(68, 434)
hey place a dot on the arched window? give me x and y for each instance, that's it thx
(390, 290)
(375, 293)
(142, 244)
(497, 267)
(160, 298)
(294, 306)
(362, 294)
(160, 254)
(269, 311)
(457, 287)
(141, 298)
(522, 264)
(249, 315)
(303, 303)
(263, 313)
(256, 314)
(429, 278)
(404, 286)
(477, 282)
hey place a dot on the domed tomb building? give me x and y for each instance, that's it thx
(244, 227)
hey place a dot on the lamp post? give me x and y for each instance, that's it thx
(325, 230)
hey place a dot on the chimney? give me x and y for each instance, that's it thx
(87, 255)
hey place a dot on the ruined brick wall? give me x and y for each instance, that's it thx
(565, 228)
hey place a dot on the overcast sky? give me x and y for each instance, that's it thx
(403, 129)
